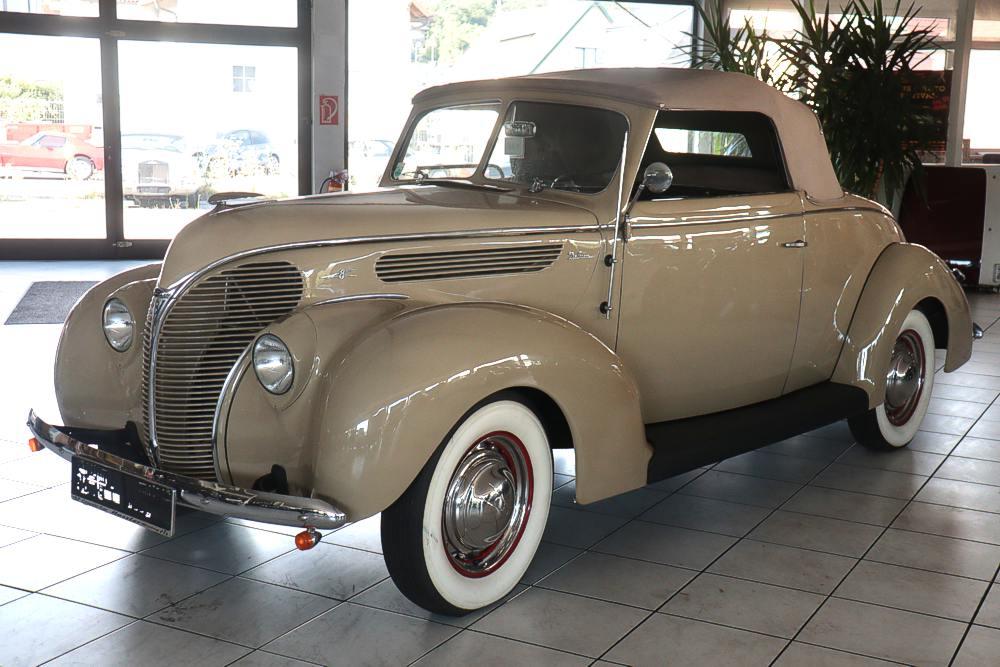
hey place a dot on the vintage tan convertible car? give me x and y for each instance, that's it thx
(655, 268)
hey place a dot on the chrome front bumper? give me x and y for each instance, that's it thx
(198, 494)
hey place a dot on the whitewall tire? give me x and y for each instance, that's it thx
(909, 381)
(465, 531)
(80, 168)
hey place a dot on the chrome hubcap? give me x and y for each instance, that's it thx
(905, 381)
(487, 504)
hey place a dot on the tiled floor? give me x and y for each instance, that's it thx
(809, 552)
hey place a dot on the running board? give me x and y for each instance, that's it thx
(685, 444)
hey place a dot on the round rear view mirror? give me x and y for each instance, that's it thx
(657, 178)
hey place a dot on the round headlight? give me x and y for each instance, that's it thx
(272, 362)
(118, 325)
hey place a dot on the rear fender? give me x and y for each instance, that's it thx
(904, 275)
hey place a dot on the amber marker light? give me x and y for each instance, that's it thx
(34, 445)
(307, 539)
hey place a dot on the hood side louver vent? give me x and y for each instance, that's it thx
(403, 267)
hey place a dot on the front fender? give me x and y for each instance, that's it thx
(255, 430)
(395, 394)
(903, 276)
(97, 387)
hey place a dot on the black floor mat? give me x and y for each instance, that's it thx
(48, 302)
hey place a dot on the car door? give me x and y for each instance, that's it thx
(711, 278)
(260, 147)
(238, 144)
(50, 154)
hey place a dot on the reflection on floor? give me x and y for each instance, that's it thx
(811, 551)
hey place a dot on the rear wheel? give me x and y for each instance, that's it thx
(909, 381)
(80, 168)
(465, 531)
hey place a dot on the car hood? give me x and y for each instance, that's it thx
(389, 212)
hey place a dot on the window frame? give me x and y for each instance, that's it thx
(108, 30)
(245, 81)
(414, 120)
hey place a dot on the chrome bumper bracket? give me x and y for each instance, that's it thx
(211, 497)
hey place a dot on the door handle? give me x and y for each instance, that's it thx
(795, 244)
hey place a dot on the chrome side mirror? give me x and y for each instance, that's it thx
(657, 178)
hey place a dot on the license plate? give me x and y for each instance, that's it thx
(127, 496)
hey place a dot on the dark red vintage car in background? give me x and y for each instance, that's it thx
(54, 152)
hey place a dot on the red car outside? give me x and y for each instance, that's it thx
(54, 151)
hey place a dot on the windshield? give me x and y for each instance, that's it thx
(558, 146)
(540, 145)
(163, 142)
(447, 142)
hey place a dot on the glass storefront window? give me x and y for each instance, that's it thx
(51, 138)
(198, 119)
(986, 26)
(52, 7)
(982, 132)
(279, 13)
(777, 23)
(398, 48)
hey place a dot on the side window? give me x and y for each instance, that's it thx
(717, 153)
(52, 141)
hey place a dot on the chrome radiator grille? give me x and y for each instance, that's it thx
(153, 172)
(201, 338)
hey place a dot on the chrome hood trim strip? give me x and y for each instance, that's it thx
(181, 284)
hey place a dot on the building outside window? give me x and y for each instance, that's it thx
(399, 47)
(588, 56)
(244, 77)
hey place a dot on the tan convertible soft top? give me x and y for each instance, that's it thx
(674, 88)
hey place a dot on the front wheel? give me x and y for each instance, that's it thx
(908, 385)
(464, 532)
(272, 165)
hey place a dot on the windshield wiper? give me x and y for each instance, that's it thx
(471, 185)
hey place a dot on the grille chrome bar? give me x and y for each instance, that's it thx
(193, 341)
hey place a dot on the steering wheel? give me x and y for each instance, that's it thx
(499, 170)
(570, 184)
